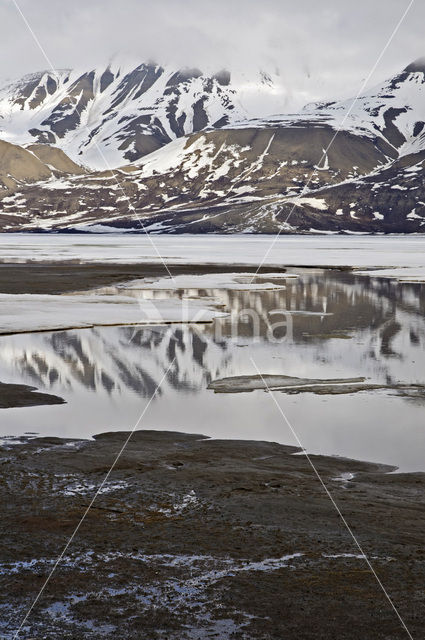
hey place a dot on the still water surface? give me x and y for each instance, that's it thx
(334, 325)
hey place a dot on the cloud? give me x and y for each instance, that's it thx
(320, 49)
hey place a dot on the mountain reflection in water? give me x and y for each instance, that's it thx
(331, 324)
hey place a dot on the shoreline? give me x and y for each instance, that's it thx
(192, 533)
(395, 257)
(68, 277)
(197, 537)
(23, 395)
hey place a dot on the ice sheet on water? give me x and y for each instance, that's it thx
(230, 281)
(27, 312)
(390, 252)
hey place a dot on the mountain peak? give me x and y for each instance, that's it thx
(416, 66)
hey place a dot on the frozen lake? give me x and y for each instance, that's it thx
(400, 255)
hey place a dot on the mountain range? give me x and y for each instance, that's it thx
(175, 150)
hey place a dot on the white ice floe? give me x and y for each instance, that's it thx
(140, 301)
(229, 281)
(24, 313)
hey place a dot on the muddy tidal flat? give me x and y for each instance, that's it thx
(22, 395)
(59, 277)
(199, 538)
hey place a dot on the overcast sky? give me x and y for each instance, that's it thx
(321, 48)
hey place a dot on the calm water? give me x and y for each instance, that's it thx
(336, 325)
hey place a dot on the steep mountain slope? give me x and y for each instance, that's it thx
(393, 112)
(55, 159)
(20, 166)
(109, 116)
(17, 164)
(255, 175)
(204, 194)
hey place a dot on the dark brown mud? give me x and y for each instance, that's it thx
(22, 395)
(63, 277)
(195, 538)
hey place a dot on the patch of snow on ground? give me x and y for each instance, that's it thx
(316, 203)
(413, 215)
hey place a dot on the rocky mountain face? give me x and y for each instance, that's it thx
(113, 115)
(197, 163)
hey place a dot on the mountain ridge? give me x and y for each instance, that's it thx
(125, 112)
(229, 174)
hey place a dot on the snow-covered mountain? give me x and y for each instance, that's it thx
(109, 116)
(334, 166)
(393, 112)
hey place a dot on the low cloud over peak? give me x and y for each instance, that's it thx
(318, 50)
